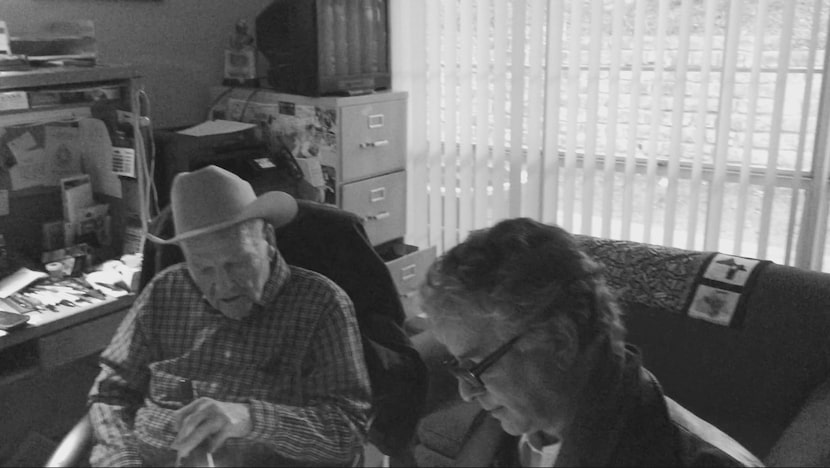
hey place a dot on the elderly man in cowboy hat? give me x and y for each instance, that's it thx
(268, 355)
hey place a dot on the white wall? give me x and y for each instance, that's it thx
(177, 44)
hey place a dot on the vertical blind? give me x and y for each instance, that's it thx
(689, 123)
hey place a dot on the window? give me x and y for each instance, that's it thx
(689, 123)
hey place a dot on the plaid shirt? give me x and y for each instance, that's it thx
(297, 361)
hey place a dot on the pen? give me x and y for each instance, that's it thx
(185, 390)
(186, 395)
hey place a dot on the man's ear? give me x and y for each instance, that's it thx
(270, 234)
(565, 343)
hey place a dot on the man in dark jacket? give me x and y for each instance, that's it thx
(539, 344)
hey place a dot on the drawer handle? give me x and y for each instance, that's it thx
(408, 272)
(379, 216)
(378, 194)
(374, 144)
(375, 121)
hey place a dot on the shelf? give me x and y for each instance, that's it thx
(60, 76)
(52, 112)
(38, 191)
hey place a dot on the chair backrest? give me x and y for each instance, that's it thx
(333, 242)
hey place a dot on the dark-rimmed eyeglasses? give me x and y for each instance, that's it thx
(471, 374)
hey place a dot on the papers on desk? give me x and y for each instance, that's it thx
(19, 280)
(216, 127)
(109, 282)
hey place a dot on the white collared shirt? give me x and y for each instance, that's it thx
(533, 453)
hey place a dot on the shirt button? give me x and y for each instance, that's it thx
(227, 354)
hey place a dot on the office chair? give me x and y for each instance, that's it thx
(332, 242)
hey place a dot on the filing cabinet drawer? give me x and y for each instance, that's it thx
(381, 201)
(373, 139)
(409, 270)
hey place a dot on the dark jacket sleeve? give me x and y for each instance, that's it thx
(333, 242)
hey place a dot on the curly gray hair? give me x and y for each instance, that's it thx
(523, 275)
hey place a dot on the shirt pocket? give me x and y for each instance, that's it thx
(166, 391)
(276, 378)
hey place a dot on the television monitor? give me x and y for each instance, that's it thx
(325, 47)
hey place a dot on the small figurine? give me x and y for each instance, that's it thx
(241, 37)
(240, 57)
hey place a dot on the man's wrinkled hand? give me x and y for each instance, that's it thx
(206, 419)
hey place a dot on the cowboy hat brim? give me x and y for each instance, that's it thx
(277, 208)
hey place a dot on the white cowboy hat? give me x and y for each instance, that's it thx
(212, 198)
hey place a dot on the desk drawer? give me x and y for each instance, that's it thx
(381, 202)
(81, 340)
(373, 139)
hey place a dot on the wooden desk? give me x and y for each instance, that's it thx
(47, 369)
(57, 338)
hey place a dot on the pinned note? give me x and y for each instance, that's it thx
(98, 156)
(29, 169)
(63, 153)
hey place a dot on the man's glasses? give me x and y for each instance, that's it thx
(471, 375)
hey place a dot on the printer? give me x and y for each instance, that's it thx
(242, 152)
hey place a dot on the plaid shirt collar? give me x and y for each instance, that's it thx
(280, 273)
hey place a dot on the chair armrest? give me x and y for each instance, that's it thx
(806, 441)
(74, 446)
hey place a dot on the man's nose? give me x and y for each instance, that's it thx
(223, 281)
(469, 392)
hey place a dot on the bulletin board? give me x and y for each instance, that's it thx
(37, 159)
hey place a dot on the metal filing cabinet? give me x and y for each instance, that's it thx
(358, 142)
